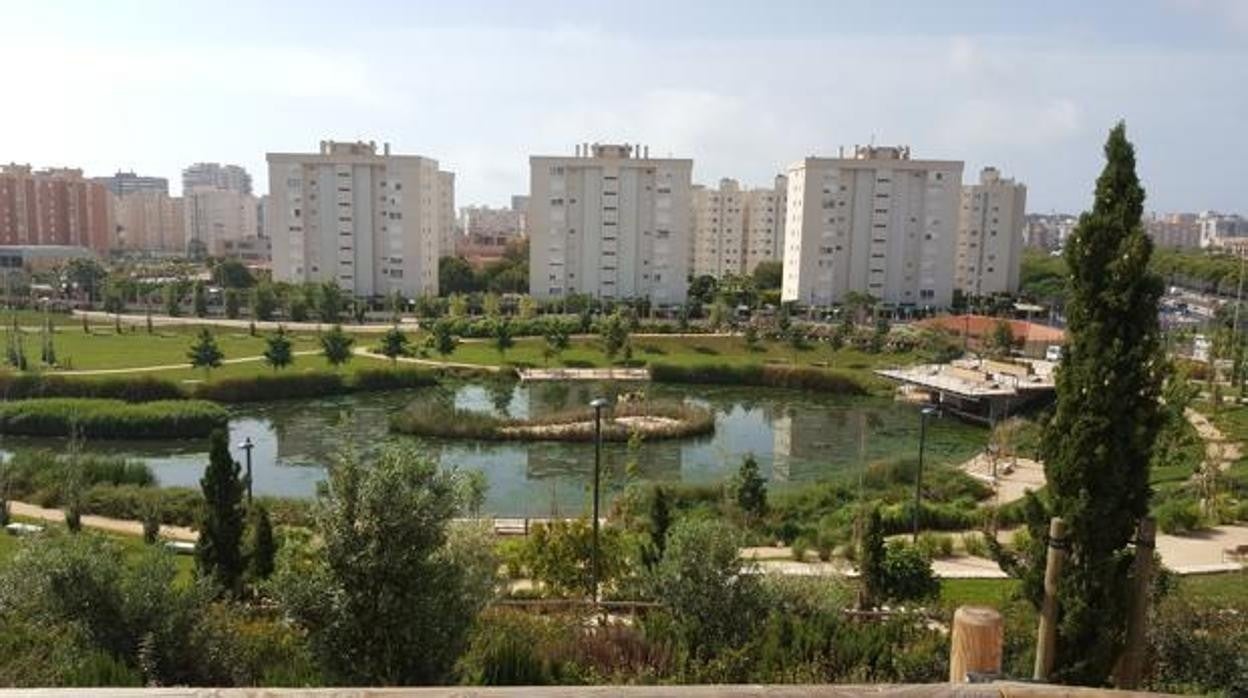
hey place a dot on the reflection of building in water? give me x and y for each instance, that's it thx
(657, 460)
(800, 437)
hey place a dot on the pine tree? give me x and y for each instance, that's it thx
(751, 489)
(205, 353)
(336, 345)
(394, 344)
(503, 339)
(261, 547)
(218, 553)
(277, 353)
(1099, 443)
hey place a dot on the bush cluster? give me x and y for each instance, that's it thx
(99, 418)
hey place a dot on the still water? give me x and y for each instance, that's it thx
(796, 437)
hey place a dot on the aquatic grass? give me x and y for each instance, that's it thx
(293, 386)
(142, 388)
(97, 418)
(770, 375)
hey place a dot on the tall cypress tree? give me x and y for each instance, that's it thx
(1099, 442)
(218, 554)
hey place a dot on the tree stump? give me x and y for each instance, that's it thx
(978, 634)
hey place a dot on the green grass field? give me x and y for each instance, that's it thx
(1228, 589)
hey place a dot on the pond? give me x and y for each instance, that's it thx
(796, 437)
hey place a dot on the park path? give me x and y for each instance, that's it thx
(167, 320)
(364, 351)
(102, 523)
(169, 367)
(1219, 450)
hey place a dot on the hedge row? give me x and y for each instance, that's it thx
(277, 386)
(801, 377)
(98, 418)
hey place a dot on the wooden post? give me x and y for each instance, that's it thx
(1046, 636)
(978, 634)
(1131, 664)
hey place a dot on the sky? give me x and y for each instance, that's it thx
(743, 88)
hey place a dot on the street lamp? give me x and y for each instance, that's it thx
(598, 404)
(918, 478)
(247, 445)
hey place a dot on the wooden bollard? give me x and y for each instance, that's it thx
(978, 634)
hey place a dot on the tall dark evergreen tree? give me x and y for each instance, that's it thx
(261, 547)
(1099, 442)
(219, 554)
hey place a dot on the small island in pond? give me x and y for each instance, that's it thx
(652, 420)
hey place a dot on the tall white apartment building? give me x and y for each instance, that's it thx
(990, 235)
(877, 222)
(213, 217)
(149, 221)
(611, 222)
(369, 221)
(718, 230)
(734, 228)
(764, 223)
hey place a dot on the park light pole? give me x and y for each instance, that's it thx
(247, 445)
(598, 404)
(918, 478)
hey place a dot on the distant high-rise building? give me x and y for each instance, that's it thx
(487, 232)
(990, 235)
(216, 216)
(1174, 230)
(610, 222)
(877, 222)
(149, 221)
(520, 203)
(447, 222)
(734, 228)
(56, 206)
(366, 220)
(124, 183)
(214, 175)
(1219, 230)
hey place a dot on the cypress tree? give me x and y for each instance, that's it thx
(218, 554)
(871, 554)
(261, 548)
(1099, 443)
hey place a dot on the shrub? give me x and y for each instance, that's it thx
(23, 386)
(1179, 515)
(98, 418)
(377, 379)
(908, 575)
(974, 544)
(800, 377)
(933, 546)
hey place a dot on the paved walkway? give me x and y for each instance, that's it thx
(1218, 449)
(1014, 476)
(102, 523)
(362, 351)
(168, 367)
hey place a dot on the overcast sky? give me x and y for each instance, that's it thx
(744, 88)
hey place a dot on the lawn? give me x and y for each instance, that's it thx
(688, 351)
(1228, 589)
(104, 349)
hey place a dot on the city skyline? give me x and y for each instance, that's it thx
(744, 93)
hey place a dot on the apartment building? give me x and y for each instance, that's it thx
(214, 216)
(764, 223)
(366, 219)
(876, 222)
(149, 220)
(1222, 231)
(55, 206)
(486, 233)
(718, 240)
(990, 235)
(611, 222)
(448, 225)
(1174, 230)
(124, 183)
(214, 175)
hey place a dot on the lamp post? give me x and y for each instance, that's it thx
(918, 478)
(247, 445)
(598, 404)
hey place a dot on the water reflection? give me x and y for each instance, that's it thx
(795, 436)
